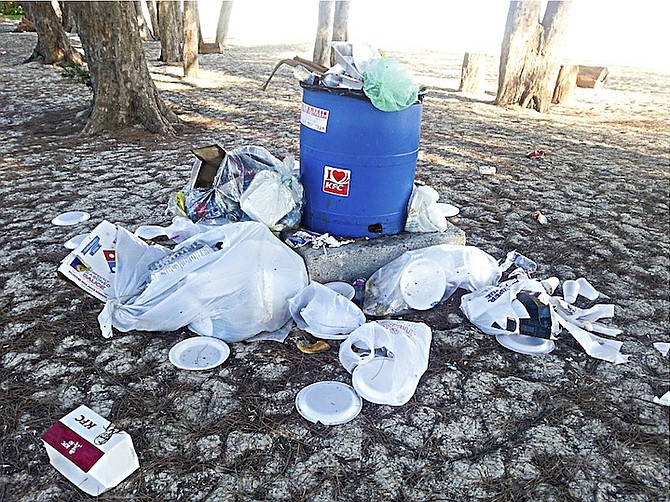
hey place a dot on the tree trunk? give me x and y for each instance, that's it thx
(67, 18)
(473, 72)
(224, 21)
(324, 33)
(565, 84)
(340, 24)
(53, 46)
(592, 77)
(141, 22)
(191, 30)
(169, 19)
(124, 94)
(528, 59)
(153, 18)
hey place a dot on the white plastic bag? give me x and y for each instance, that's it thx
(324, 313)
(422, 278)
(235, 292)
(270, 196)
(386, 359)
(423, 214)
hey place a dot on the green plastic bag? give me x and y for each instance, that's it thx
(389, 85)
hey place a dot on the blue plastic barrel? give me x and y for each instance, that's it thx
(357, 164)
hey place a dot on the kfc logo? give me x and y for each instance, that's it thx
(336, 181)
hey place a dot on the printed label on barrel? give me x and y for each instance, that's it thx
(314, 118)
(336, 181)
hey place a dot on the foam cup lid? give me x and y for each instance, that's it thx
(525, 344)
(70, 218)
(328, 403)
(199, 353)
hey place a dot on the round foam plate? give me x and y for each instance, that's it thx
(199, 353)
(422, 283)
(343, 288)
(328, 403)
(75, 241)
(447, 209)
(524, 344)
(70, 218)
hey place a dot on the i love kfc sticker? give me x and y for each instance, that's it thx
(336, 181)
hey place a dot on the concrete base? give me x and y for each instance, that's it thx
(363, 257)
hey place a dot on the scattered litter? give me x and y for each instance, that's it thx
(328, 403)
(90, 451)
(664, 400)
(536, 154)
(313, 348)
(359, 291)
(662, 347)
(541, 219)
(324, 313)
(343, 288)
(386, 359)
(522, 306)
(199, 353)
(74, 242)
(444, 267)
(487, 170)
(573, 288)
(70, 218)
(303, 237)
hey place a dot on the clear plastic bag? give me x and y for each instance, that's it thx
(235, 292)
(389, 85)
(221, 202)
(324, 313)
(422, 278)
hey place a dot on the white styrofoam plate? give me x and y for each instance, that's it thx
(328, 403)
(422, 283)
(70, 218)
(525, 344)
(447, 209)
(199, 353)
(74, 242)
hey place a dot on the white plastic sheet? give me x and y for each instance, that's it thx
(423, 214)
(233, 293)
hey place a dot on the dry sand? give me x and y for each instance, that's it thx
(485, 423)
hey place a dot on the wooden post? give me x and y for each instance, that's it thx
(473, 72)
(565, 84)
(592, 77)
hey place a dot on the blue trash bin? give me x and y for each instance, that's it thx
(357, 163)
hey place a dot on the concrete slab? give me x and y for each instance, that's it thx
(363, 257)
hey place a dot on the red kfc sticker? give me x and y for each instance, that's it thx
(336, 181)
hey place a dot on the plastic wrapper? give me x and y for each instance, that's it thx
(237, 287)
(386, 359)
(276, 198)
(423, 214)
(324, 313)
(389, 85)
(422, 278)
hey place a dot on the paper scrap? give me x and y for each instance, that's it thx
(664, 400)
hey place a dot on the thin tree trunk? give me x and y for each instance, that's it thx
(324, 32)
(191, 30)
(141, 22)
(340, 24)
(529, 54)
(67, 19)
(224, 21)
(153, 18)
(169, 18)
(53, 45)
(565, 84)
(124, 93)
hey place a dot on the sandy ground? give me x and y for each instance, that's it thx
(485, 422)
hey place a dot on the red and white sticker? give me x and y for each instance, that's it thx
(336, 181)
(314, 118)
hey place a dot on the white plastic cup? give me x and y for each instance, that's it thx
(570, 291)
(586, 290)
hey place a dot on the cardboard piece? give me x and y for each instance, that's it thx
(90, 451)
(209, 160)
(92, 265)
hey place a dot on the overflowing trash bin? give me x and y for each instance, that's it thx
(360, 127)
